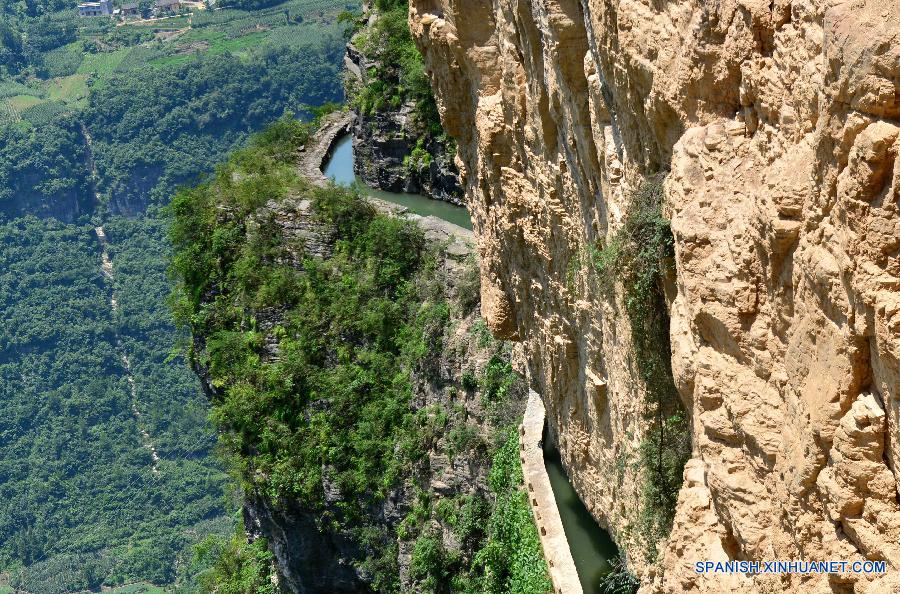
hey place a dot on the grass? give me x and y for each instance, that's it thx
(44, 112)
(23, 102)
(40, 104)
(10, 88)
(308, 31)
(64, 60)
(72, 90)
(166, 24)
(218, 43)
(102, 64)
(7, 114)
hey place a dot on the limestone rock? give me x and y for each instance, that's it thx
(777, 123)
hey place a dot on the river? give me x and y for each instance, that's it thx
(340, 169)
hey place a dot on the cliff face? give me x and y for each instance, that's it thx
(383, 149)
(393, 149)
(387, 460)
(446, 491)
(65, 206)
(779, 126)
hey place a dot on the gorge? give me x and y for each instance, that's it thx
(602, 289)
(591, 548)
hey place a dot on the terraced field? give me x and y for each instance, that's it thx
(73, 69)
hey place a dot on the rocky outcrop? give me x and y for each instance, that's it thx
(394, 151)
(65, 206)
(308, 560)
(779, 126)
(384, 157)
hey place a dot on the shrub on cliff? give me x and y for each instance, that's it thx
(308, 357)
(399, 72)
(309, 352)
(332, 392)
(639, 257)
(237, 567)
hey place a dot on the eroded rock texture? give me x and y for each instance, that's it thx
(779, 125)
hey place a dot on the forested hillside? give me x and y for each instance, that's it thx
(79, 503)
(101, 119)
(162, 100)
(356, 385)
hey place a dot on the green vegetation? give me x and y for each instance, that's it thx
(619, 580)
(334, 391)
(183, 120)
(511, 557)
(639, 256)
(502, 551)
(163, 107)
(361, 297)
(235, 566)
(155, 107)
(309, 359)
(399, 75)
(43, 164)
(79, 505)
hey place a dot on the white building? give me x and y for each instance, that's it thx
(95, 9)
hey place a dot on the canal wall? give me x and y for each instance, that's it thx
(543, 502)
(318, 150)
(315, 154)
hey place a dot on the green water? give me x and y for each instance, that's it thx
(592, 548)
(340, 169)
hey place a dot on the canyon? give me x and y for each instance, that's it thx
(776, 126)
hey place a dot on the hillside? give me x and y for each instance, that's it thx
(157, 102)
(398, 140)
(108, 474)
(372, 417)
(79, 505)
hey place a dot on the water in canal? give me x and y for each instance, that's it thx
(340, 169)
(592, 548)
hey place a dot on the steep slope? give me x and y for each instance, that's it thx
(398, 142)
(777, 126)
(371, 415)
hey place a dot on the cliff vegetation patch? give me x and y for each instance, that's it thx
(639, 256)
(317, 321)
(397, 73)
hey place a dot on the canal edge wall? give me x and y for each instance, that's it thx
(543, 502)
(318, 151)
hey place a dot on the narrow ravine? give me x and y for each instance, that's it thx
(90, 163)
(109, 276)
(591, 547)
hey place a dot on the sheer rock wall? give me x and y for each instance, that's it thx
(779, 125)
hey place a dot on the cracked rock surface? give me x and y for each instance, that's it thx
(779, 126)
